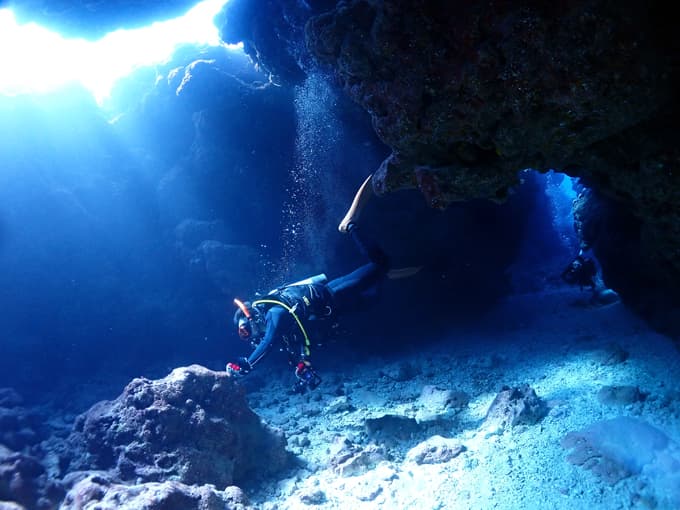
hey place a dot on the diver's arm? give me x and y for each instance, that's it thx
(273, 321)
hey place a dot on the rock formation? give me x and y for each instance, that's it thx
(193, 426)
(466, 95)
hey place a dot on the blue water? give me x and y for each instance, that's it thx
(131, 233)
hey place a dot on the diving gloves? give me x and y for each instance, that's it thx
(238, 369)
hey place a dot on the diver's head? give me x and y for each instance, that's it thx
(249, 322)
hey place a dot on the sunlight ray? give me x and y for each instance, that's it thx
(37, 60)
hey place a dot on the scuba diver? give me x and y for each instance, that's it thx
(581, 271)
(281, 315)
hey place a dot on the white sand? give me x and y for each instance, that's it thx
(546, 341)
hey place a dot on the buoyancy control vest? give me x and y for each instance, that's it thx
(308, 299)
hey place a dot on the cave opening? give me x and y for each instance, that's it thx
(42, 60)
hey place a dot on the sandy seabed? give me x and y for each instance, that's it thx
(351, 457)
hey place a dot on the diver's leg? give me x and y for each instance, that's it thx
(360, 200)
(369, 248)
(348, 289)
(376, 255)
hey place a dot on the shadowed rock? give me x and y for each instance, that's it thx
(468, 94)
(620, 395)
(391, 427)
(19, 427)
(514, 406)
(23, 481)
(349, 459)
(621, 447)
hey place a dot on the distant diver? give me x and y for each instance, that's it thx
(281, 316)
(582, 271)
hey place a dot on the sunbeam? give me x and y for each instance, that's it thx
(37, 60)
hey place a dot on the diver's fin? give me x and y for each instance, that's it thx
(403, 272)
(360, 200)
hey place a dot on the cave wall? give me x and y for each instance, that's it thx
(619, 241)
(467, 94)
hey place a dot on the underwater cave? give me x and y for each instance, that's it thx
(497, 325)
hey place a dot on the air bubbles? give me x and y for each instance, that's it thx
(316, 141)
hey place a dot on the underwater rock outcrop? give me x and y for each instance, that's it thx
(466, 95)
(621, 447)
(435, 450)
(465, 99)
(272, 33)
(203, 249)
(349, 459)
(514, 406)
(19, 426)
(193, 426)
(106, 494)
(638, 258)
(24, 481)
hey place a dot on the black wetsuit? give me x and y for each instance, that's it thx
(581, 271)
(320, 300)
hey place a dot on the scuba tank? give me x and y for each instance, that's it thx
(319, 278)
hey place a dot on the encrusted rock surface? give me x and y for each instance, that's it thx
(24, 481)
(349, 459)
(192, 426)
(514, 406)
(621, 395)
(435, 450)
(19, 427)
(639, 257)
(618, 448)
(101, 492)
(468, 94)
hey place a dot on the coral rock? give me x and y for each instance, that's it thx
(435, 450)
(101, 492)
(193, 426)
(515, 406)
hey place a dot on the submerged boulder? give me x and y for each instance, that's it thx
(193, 426)
(435, 450)
(24, 481)
(20, 427)
(514, 406)
(622, 447)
